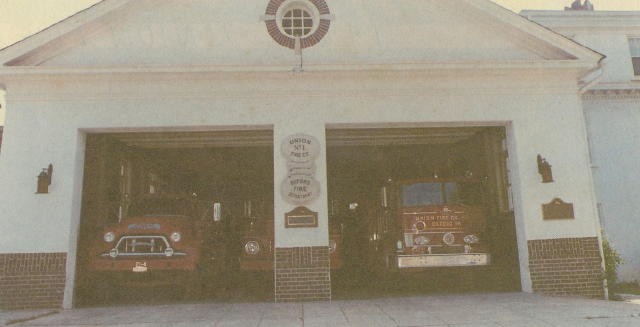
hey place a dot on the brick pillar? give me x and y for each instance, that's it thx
(302, 274)
(567, 266)
(32, 280)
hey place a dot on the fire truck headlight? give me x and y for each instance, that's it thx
(252, 248)
(448, 238)
(176, 236)
(471, 239)
(109, 237)
(332, 246)
(422, 240)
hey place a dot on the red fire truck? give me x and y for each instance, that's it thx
(163, 236)
(434, 222)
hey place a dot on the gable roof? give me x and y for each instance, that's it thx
(40, 52)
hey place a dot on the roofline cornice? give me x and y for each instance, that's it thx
(614, 91)
(590, 20)
(583, 13)
(536, 29)
(612, 94)
(574, 65)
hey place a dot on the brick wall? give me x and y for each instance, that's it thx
(568, 266)
(302, 274)
(32, 280)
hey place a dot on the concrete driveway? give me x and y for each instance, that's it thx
(502, 309)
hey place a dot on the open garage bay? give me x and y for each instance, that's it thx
(165, 214)
(422, 210)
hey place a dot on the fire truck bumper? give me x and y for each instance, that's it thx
(440, 260)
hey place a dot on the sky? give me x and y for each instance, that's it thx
(21, 18)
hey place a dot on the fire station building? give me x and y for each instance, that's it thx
(291, 109)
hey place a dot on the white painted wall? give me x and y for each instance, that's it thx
(3, 106)
(615, 147)
(230, 33)
(465, 76)
(617, 66)
(46, 128)
(602, 31)
(612, 122)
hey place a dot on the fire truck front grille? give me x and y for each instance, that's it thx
(447, 249)
(142, 245)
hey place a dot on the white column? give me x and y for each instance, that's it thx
(300, 237)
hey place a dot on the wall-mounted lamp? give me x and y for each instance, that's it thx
(544, 169)
(44, 180)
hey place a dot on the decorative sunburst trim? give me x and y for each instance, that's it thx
(322, 21)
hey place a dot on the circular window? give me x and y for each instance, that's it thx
(297, 23)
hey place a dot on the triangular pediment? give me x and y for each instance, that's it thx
(232, 33)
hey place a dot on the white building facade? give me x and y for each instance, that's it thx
(612, 111)
(130, 67)
(2, 105)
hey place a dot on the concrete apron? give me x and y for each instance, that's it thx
(503, 309)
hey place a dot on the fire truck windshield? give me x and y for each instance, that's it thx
(430, 194)
(162, 206)
(422, 194)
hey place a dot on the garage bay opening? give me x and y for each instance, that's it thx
(166, 217)
(421, 210)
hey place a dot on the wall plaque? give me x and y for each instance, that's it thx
(300, 217)
(306, 169)
(300, 148)
(557, 209)
(300, 189)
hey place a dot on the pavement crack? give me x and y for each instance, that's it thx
(385, 313)
(227, 308)
(18, 321)
(345, 315)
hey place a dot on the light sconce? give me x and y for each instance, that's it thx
(44, 180)
(544, 169)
